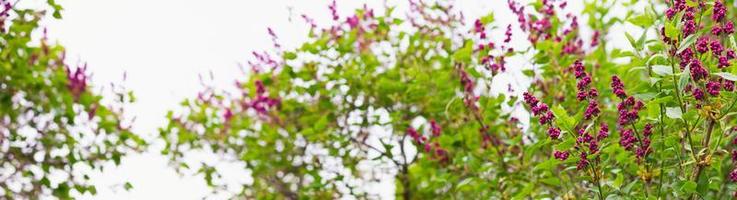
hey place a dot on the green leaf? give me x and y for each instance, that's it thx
(566, 144)
(687, 42)
(464, 54)
(617, 184)
(631, 40)
(643, 20)
(128, 186)
(727, 75)
(662, 70)
(563, 119)
(689, 187)
(673, 112)
(685, 77)
(670, 30)
(488, 18)
(290, 55)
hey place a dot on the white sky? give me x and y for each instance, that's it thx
(163, 45)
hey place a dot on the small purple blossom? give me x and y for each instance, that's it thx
(723, 62)
(718, 11)
(728, 85)
(603, 132)
(713, 87)
(716, 30)
(627, 139)
(592, 110)
(728, 28)
(618, 87)
(435, 128)
(716, 47)
(698, 94)
(733, 175)
(553, 133)
(697, 70)
(702, 45)
(560, 155)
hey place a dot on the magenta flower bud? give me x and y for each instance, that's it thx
(716, 47)
(583, 163)
(697, 70)
(435, 128)
(716, 30)
(593, 93)
(508, 34)
(698, 94)
(560, 155)
(618, 87)
(530, 100)
(728, 85)
(733, 175)
(647, 130)
(731, 55)
(718, 11)
(553, 133)
(728, 27)
(723, 62)
(603, 131)
(713, 87)
(627, 139)
(592, 110)
(593, 147)
(702, 44)
(689, 27)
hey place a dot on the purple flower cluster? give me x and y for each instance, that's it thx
(480, 28)
(733, 175)
(728, 85)
(584, 162)
(728, 28)
(584, 90)
(262, 102)
(434, 148)
(603, 132)
(77, 80)
(595, 39)
(644, 148)
(539, 109)
(627, 139)
(468, 85)
(560, 155)
(629, 107)
(719, 11)
(553, 133)
(333, 10)
(686, 55)
(716, 47)
(587, 140)
(628, 110)
(435, 128)
(698, 71)
(713, 87)
(702, 44)
(618, 87)
(698, 94)
(508, 33)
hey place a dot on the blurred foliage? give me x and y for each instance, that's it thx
(54, 130)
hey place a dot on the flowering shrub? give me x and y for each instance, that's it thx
(375, 97)
(54, 130)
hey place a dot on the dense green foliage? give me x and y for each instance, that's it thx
(410, 99)
(53, 129)
(609, 122)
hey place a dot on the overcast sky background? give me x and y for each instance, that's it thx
(163, 45)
